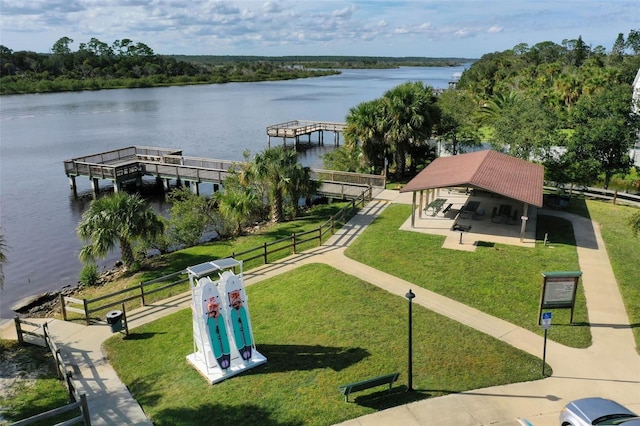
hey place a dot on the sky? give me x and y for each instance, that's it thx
(445, 28)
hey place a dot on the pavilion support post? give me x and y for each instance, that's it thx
(421, 207)
(525, 217)
(166, 185)
(195, 188)
(117, 186)
(413, 209)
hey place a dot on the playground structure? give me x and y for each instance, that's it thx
(222, 333)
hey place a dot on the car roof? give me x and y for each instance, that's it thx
(595, 408)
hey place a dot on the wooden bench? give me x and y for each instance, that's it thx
(446, 209)
(367, 384)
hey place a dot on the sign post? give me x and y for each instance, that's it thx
(546, 323)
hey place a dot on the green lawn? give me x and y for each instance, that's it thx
(319, 328)
(36, 389)
(501, 280)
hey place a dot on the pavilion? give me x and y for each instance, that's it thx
(483, 171)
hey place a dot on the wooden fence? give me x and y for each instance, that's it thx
(94, 308)
(77, 401)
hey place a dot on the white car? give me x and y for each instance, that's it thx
(597, 411)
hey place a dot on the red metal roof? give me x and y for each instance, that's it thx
(489, 170)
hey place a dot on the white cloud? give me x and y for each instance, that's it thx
(344, 13)
(384, 28)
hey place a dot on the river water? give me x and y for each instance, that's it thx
(38, 213)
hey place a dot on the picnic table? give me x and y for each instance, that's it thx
(469, 209)
(435, 206)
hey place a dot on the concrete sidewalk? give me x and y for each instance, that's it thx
(609, 368)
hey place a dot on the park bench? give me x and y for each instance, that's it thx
(367, 384)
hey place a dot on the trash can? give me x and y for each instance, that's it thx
(114, 319)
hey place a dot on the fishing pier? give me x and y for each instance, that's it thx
(295, 129)
(129, 165)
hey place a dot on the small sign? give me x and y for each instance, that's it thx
(559, 291)
(546, 320)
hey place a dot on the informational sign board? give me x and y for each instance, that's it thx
(559, 291)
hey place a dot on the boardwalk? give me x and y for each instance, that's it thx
(296, 128)
(130, 164)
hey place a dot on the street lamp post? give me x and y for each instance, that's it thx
(410, 295)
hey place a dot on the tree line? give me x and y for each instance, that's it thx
(125, 63)
(568, 106)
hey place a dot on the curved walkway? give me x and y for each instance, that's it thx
(609, 368)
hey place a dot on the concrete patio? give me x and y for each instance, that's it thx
(483, 230)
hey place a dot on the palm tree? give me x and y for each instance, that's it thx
(282, 176)
(409, 116)
(118, 219)
(237, 204)
(364, 128)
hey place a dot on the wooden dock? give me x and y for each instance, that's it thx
(295, 129)
(130, 164)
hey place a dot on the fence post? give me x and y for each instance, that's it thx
(293, 236)
(264, 245)
(85, 410)
(86, 311)
(126, 321)
(142, 293)
(63, 308)
(58, 358)
(68, 378)
(18, 329)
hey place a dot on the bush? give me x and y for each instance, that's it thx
(89, 274)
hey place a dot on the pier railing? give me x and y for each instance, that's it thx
(291, 129)
(134, 162)
(95, 309)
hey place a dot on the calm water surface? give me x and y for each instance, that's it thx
(38, 213)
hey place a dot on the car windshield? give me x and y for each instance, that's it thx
(612, 419)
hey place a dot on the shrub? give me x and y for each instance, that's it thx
(89, 274)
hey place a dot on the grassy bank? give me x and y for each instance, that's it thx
(166, 264)
(501, 280)
(319, 328)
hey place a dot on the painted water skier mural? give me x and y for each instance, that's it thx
(240, 324)
(218, 333)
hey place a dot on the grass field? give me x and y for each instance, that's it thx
(501, 280)
(319, 328)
